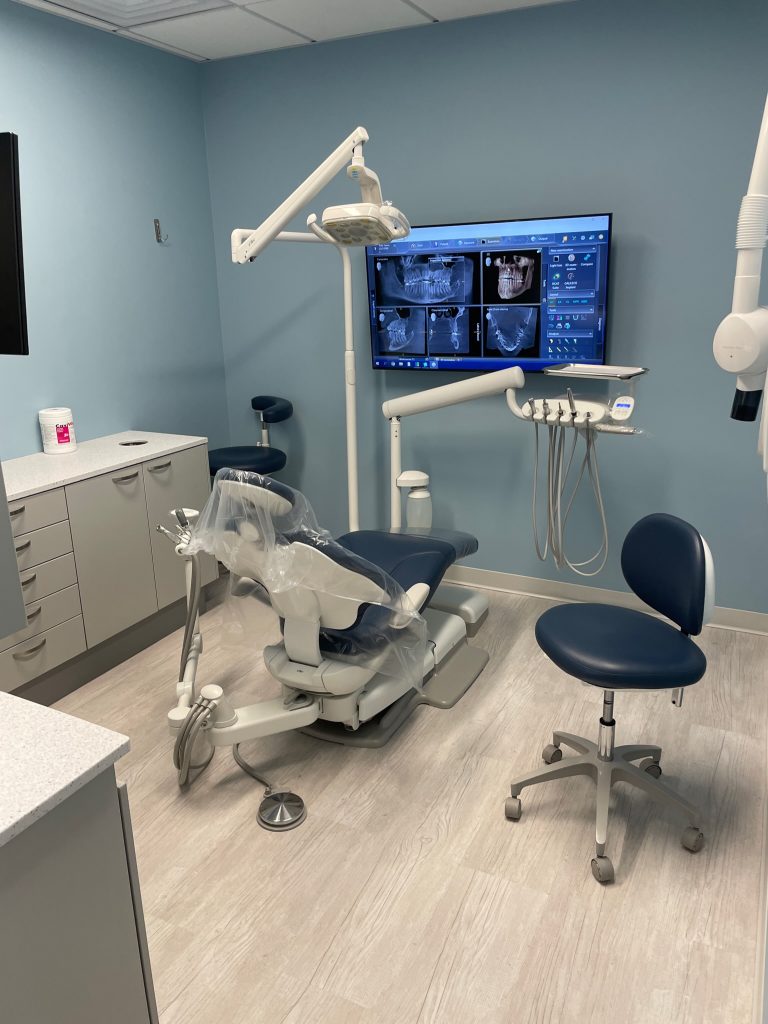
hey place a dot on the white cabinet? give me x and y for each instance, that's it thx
(90, 560)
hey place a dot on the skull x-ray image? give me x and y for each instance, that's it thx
(448, 329)
(512, 276)
(426, 279)
(511, 329)
(402, 329)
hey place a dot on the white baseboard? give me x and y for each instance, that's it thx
(560, 590)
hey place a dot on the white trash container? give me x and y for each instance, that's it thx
(57, 430)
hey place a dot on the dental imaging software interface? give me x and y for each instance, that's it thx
(529, 293)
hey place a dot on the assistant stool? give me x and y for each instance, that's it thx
(262, 457)
(667, 563)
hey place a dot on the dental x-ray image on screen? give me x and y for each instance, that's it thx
(531, 293)
(453, 330)
(426, 279)
(512, 276)
(402, 329)
(510, 330)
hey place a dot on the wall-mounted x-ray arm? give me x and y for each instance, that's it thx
(741, 340)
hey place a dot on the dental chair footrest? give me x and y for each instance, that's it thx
(470, 605)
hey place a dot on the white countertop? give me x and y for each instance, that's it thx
(45, 756)
(32, 474)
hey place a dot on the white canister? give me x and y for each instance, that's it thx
(58, 431)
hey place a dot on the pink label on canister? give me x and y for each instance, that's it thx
(62, 433)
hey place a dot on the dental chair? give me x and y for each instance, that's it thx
(668, 564)
(360, 648)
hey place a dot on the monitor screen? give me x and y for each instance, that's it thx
(13, 317)
(528, 293)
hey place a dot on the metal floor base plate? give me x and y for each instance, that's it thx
(442, 690)
(281, 811)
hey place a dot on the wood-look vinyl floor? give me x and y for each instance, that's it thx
(406, 897)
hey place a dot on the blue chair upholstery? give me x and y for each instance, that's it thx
(263, 459)
(618, 648)
(272, 409)
(251, 458)
(663, 561)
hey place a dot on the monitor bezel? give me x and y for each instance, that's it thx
(521, 363)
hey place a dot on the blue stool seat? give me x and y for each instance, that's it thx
(618, 648)
(252, 458)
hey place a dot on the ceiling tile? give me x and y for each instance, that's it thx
(124, 13)
(445, 10)
(332, 19)
(128, 33)
(227, 32)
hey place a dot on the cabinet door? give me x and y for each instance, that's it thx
(110, 536)
(174, 481)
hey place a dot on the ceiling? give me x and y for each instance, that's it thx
(214, 29)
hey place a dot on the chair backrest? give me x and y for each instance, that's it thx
(271, 408)
(305, 572)
(668, 564)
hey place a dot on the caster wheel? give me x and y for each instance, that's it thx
(602, 869)
(650, 766)
(513, 808)
(551, 753)
(692, 839)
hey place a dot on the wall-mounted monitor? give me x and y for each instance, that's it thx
(528, 293)
(13, 314)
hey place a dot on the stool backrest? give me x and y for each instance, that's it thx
(668, 564)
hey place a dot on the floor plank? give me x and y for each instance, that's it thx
(406, 896)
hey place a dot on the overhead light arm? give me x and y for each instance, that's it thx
(248, 248)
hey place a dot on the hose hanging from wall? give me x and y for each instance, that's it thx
(558, 471)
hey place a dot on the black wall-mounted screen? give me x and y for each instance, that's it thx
(529, 293)
(13, 313)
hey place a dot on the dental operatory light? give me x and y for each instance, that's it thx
(741, 340)
(369, 222)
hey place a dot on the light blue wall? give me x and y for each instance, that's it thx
(649, 110)
(123, 330)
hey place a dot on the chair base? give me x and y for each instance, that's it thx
(607, 767)
(444, 688)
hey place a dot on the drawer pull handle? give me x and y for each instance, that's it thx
(29, 579)
(124, 479)
(159, 467)
(17, 511)
(35, 613)
(30, 650)
(23, 547)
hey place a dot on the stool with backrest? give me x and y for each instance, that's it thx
(262, 457)
(668, 564)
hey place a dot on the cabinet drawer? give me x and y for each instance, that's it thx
(45, 614)
(42, 545)
(45, 579)
(37, 511)
(31, 658)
